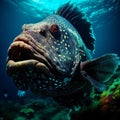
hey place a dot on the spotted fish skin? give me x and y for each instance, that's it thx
(52, 57)
(63, 50)
(58, 50)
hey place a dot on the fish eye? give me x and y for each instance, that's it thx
(54, 30)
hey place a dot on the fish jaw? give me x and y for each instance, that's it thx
(31, 67)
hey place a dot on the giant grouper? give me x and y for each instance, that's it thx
(54, 58)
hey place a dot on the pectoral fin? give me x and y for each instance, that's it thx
(102, 68)
(99, 86)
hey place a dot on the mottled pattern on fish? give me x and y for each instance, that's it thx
(50, 57)
(62, 49)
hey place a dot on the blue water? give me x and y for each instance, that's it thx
(104, 15)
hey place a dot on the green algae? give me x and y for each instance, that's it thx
(27, 110)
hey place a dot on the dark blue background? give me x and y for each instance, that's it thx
(11, 20)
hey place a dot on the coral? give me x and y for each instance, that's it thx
(20, 118)
(110, 99)
(105, 105)
(62, 115)
(21, 93)
(27, 112)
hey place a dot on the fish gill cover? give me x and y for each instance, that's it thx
(102, 14)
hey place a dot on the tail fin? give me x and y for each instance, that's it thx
(102, 68)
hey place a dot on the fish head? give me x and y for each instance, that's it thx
(45, 55)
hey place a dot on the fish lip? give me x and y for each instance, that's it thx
(13, 66)
(29, 45)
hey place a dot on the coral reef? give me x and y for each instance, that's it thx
(110, 99)
(27, 112)
(33, 109)
(104, 105)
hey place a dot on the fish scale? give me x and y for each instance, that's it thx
(53, 58)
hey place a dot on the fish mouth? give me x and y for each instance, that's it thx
(28, 60)
(24, 51)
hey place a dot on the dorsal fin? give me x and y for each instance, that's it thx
(78, 20)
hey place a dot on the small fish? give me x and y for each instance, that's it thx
(53, 58)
